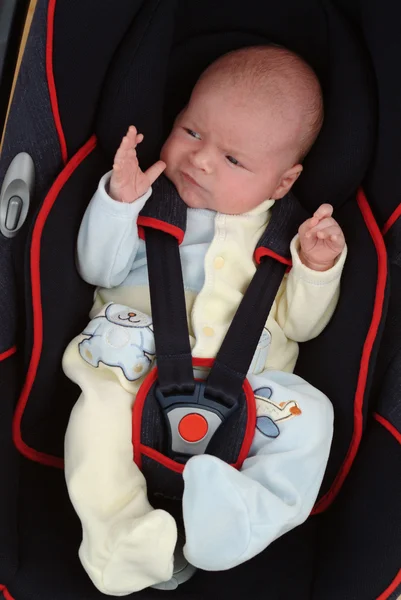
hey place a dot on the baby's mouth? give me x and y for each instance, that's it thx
(190, 179)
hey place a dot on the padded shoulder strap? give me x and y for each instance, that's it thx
(287, 215)
(165, 210)
(273, 255)
(174, 359)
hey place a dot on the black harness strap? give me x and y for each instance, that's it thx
(235, 355)
(167, 213)
(173, 351)
(232, 362)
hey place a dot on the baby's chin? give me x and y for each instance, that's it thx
(193, 201)
(193, 197)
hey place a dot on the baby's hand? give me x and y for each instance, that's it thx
(321, 239)
(128, 182)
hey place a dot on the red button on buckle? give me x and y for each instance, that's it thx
(193, 427)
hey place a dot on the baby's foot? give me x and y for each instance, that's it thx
(217, 523)
(141, 554)
(128, 182)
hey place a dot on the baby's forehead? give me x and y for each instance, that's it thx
(226, 106)
(239, 124)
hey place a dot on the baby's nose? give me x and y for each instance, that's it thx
(202, 159)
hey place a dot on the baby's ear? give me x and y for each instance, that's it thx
(287, 180)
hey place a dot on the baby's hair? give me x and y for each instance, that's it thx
(278, 74)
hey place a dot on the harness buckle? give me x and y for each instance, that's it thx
(192, 420)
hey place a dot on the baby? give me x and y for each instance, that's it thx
(235, 149)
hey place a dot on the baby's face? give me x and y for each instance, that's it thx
(228, 155)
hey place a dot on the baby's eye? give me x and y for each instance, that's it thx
(193, 133)
(233, 160)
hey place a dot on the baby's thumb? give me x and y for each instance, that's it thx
(155, 171)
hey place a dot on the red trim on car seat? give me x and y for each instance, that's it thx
(378, 241)
(261, 251)
(139, 448)
(394, 432)
(391, 588)
(8, 353)
(137, 415)
(41, 457)
(392, 219)
(50, 79)
(161, 226)
(6, 593)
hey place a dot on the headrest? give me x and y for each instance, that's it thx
(159, 61)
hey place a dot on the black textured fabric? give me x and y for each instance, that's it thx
(378, 23)
(360, 537)
(173, 350)
(133, 92)
(163, 485)
(153, 428)
(9, 470)
(340, 157)
(287, 215)
(12, 17)
(65, 303)
(166, 205)
(228, 439)
(389, 405)
(332, 361)
(30, 128)
(8, 297)
(35, 132)
(91, 31)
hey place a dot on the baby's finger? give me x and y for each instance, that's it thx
(323, 224)
(332, 234)
(126, 143)
(307, 225)
(325, 210)
(120, 155)
(132, 132)
(139, 138)
(155, 171)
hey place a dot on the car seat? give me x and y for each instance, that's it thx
(90, 69)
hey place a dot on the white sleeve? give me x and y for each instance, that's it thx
(307, 300)
(230, 516)
(108, 238)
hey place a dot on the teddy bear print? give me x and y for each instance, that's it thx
(120, 337)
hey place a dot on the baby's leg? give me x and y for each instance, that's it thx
(231, 516)
(126, 545)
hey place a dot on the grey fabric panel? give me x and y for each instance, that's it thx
(30, 126)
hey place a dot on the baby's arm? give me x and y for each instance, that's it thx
(108, 238)
(309, 296)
